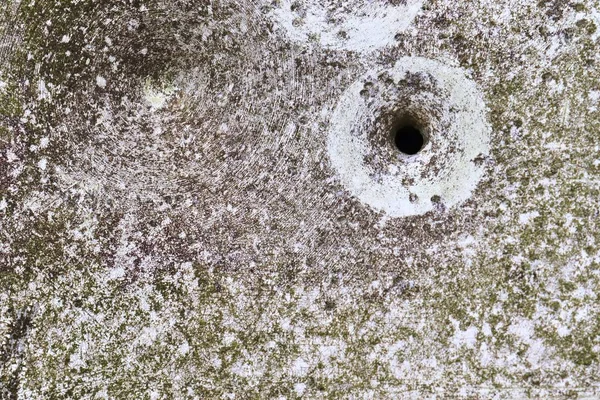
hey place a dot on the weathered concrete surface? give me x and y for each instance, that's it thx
(172, 226)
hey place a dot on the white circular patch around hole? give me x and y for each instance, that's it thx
(448, 109)
(357, 25)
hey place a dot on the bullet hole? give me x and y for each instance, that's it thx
(407, 134)
(408, 139)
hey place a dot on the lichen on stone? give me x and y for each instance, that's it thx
(172, 224)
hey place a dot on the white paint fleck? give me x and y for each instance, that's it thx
(184, 348)
(101, 81)
(299, 388)
(300, 367)
(525, 218)
(466, 338)
(535, 352)
(116, 273)
(228, 338)
(485, 357)
(42, 164)
(148, 335)
(285, 324)
(563, 330)
(522, 328)
(43, 93)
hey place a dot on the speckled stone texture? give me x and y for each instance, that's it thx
(172, 227)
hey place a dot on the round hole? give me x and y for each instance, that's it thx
(409, 139)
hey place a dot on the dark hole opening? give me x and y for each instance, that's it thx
(409, 139)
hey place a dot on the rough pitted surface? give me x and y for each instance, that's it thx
(171, 225)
